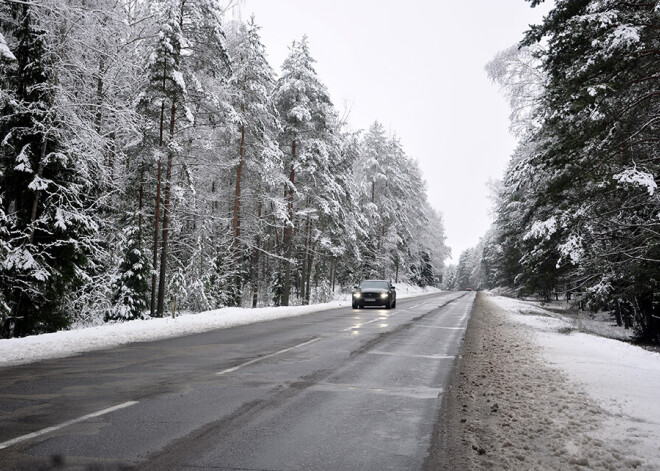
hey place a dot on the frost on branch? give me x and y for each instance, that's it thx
(635, 177)
(542, 229)
(5, 53)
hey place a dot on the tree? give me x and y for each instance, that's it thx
(47, 183)
(252, 83)
(130, 287)
(306, 113)
(587, 168)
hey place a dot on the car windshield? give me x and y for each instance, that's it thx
(374, 284)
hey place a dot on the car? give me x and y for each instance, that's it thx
(374, 293)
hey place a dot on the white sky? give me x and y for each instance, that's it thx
(418, 68)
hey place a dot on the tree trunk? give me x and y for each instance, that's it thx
(154, 276)
(254, 260)
(166, 220)
(37, 193)
(98, 116)
(306, 268)
(396, 273)
(288, 230)
(381, 243)
(236, 222)
(333, 274)
(140, 201)
(310, 263)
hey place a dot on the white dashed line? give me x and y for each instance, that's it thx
(65, 424)
(229, 370)
(357, 326)
(413, 355)
(438, 327)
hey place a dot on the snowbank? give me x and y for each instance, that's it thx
(596, 323)
(111, 335)
(620, 378)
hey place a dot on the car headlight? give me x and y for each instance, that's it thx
(383, 295)
(356, 295)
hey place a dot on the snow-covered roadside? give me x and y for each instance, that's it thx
(599, 323)
(510, 404)
(71, 342)
(620, 378)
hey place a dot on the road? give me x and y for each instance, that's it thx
(339, 389)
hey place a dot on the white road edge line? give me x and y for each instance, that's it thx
(270, 355)
(39, 433)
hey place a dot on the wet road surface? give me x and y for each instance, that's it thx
(338, 389)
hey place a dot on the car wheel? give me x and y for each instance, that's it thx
(356, 306)
(389, 304)
(394, 304)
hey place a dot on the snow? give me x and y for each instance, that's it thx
(621, 379)
(571, 249)
(542, 230)
(23, 160)
(178, 79)
(62, 344)
(5, 51)
(636, 177)
(624, 36)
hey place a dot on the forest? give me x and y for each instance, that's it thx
(578, 209)
(151, 159)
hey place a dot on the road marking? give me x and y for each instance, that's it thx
(413, 355)
(265, 357)
(357, 326)
(421, 392)
(438, 327)
(39, 433)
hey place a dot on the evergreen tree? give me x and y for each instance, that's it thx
(259, 158)
(45, 184)
(131, 285)
(578, 204)
(306, 113)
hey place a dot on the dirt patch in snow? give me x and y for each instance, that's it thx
(505, 409)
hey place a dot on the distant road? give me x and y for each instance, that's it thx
(338, 389)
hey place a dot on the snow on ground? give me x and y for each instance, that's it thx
(70, 342)
(621, 379)
(599, 323)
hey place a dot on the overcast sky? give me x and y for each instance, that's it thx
(417, 66)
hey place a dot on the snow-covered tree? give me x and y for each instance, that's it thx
(47, 182)
(579, 202)
(259, 163)
(307, 116)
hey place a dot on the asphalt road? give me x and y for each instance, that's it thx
(339, 389)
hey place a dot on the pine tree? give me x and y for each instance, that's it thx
(252, 83)
(45, 183)
(579, 200)
(306, 113)
(131, 285)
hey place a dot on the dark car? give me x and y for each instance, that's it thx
(374, 293)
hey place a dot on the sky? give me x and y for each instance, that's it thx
(418, 68)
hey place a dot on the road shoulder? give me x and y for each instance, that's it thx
(504, 408)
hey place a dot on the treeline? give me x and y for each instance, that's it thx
(151, 157)
(578, 209)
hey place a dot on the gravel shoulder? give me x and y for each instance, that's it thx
(504, 408)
